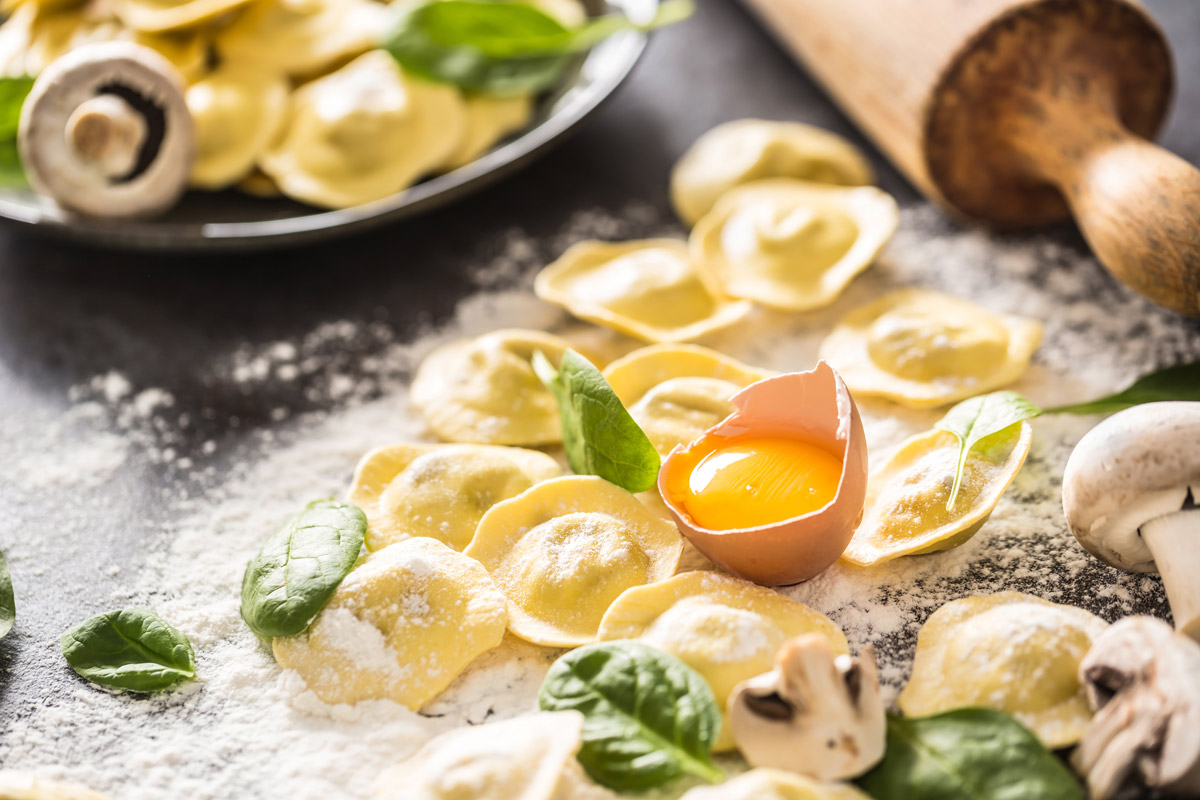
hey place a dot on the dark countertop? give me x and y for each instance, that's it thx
(68, 314)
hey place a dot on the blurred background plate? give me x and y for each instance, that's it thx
(232, 220)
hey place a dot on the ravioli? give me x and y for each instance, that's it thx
(301, 37)
(747, 150)
(906, 511)
(676, 392)
(648, 289)
(792, 245)
(161, 16)
(923, 349)
(525, 758)
(1009, 651)
(774, 784)
(440, 491)
(364, 133)
(727, 629)
(25, 786)
(490, 119)
(564, 550)
(484, 390)
(401, 626)
(238, 113)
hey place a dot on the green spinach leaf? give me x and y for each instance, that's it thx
(599, 435)
(967, 754)
(300, 566)
(8, 601)
(499, 47)
(648, 717)
(975, 419)
(13, 92)
(1180, 382)
(132, 649)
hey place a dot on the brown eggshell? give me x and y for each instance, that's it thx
(815, 406)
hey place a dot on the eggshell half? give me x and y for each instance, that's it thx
(815, 406)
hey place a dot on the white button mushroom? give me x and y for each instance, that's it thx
(1130, 492)
(1143, 681)
(106, 132)
(814, 714)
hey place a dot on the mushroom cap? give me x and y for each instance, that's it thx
(1133, 467)
(150, 89)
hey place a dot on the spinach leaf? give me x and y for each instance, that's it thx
(599, 435)
(8, 602)
(292, 578)
(967, 754)
(499, 47)
(132, 649)
(13, 92)
(975, 419)
(648, 717)
(1180, 382)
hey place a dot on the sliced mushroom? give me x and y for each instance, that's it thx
(1143, 680)
(814, 714)
(106, 132)
(1130, 494)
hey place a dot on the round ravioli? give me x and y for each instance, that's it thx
(564, 550)
(364, 133)
(925, 349)
(648, 289)
(1009, 651)
(25, 786)
(238, 113)
(792, 245)
(727, 629)
(525, 758)
(440, 491)
(160, 16)
(490, 119)
(676, 392)
(774, 784)
(484, 390)
(302, 37)
(401, 626)
(747, 150)
(906, 512)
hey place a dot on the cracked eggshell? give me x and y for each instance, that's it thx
(815, 406)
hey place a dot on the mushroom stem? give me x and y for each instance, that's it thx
(107, 133)
(1174, 539)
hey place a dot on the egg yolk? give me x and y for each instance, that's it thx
(747, 481)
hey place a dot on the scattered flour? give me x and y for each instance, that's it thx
(246, 729)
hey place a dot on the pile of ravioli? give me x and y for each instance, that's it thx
(287, 96)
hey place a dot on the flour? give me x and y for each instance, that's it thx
(247, 729)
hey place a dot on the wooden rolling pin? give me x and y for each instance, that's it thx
(1018, 113)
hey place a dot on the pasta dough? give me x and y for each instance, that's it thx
(747, 150)
(564, 550)
(727, 629)
(440, 491)
(364, 133)
(924, 349)
(648, 289)
(774, 784)
(24, 786)
(1010, 651)
(301, 37)
(525, 758)
(401, 626)
(792, 245)
(161, 16)
(238, 113)
(906, 511)
(490, 119)
(676, 392)
(485, 391)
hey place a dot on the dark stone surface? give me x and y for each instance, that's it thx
(67, 314)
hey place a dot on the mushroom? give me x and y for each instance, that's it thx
(1143, 681)
(814, 714)
(1130, 492)
(106, 132)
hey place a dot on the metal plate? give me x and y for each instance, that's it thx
(235, 221)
